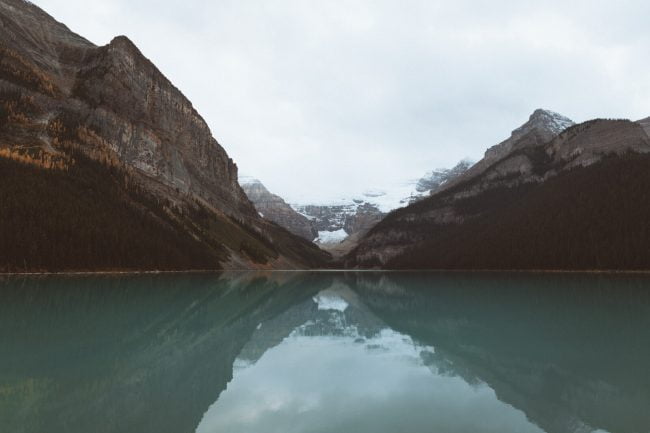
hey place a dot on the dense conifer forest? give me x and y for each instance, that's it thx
(84, 219)
(587, 218)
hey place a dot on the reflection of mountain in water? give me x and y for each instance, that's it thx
(154, 353)
(572, 352)
(324, 314)
(143, 354)
(329, 364)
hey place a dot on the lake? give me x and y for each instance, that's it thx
(325, 352)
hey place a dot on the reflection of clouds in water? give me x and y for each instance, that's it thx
(345, 383)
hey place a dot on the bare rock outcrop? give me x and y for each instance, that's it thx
(535, 153)
(62, 94)
(274, 208)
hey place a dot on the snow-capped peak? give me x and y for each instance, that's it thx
(555, 122)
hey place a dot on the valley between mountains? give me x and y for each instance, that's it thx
(107, 166)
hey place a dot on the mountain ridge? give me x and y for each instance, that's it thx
(274, 208)
(64, 96)
(426, 231)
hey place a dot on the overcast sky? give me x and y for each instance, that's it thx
(326, 98)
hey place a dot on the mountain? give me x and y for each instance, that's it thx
(76, 120)
(541, 127)
(334, 227)
(576, 199)
(435, 179)
(274, 208)
(337, 226)
(352, 218)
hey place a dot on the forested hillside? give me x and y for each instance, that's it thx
(587, 218)
(90, 217)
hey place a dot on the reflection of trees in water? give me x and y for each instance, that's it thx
(569, 351)
(151, 353)
(129, 354)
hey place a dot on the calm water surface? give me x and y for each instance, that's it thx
(325, 352)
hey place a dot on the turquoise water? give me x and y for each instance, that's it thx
(325, 352)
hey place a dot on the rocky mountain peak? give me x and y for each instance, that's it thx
(257, 192)
(274, 208)
(438, 177)
(549, 120)
(123, 41)
(547, 123)
(542, 126)
(113, 106)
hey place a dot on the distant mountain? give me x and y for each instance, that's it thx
(541, 127)
(326, 225)
(546, 198)
(77, 119)
(349, 217)
(435, 179)
(338, 226)
(274, 208)
(347, 220)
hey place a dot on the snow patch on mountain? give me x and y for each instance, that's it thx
(555, 121)
(331, 237)
(385, 200)
(336, 220)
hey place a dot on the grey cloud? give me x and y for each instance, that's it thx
(326, 99)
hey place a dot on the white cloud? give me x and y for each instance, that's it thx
(329, 98)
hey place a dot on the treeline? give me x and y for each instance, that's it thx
(596, 217)
(89, 218)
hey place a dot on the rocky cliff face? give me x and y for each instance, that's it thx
(435, 179)
(337, 227)
(541, 127)
(61, 93)
(274, 208)
(112, 100)
(507, 177)
(350, 217)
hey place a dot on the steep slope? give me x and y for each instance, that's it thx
(435, 179)
(346, 218)
(338, 226)
(645, 123)
(541, 127)
(61, 95)
(574, 202)
(274, 208)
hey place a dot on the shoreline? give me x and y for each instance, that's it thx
(436, 271)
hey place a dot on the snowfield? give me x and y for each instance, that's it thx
(335, 237)
(385, 200)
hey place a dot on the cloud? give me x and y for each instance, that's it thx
(327, 99)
